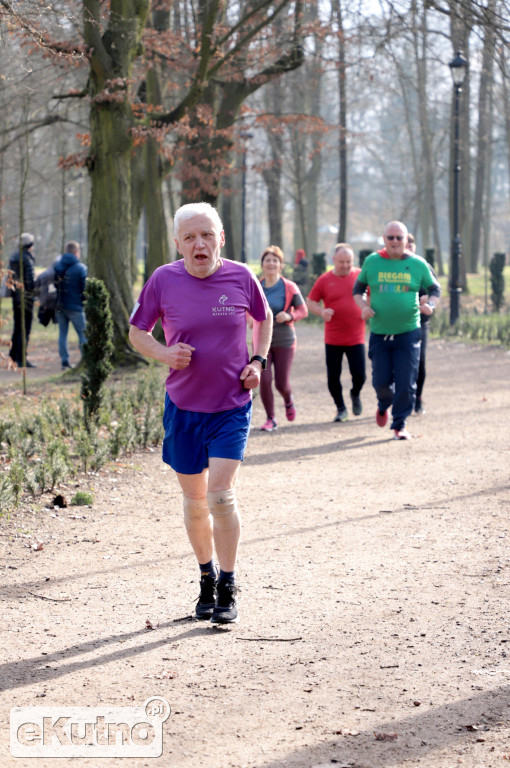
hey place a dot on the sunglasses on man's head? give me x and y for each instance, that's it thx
(395, 237)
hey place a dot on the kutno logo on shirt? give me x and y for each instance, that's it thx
(222, 310)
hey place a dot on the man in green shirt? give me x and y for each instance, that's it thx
(395, 277)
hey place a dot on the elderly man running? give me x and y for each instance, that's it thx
(202, 301)
(395, 277)
(344, 328)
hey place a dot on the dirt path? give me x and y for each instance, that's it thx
(375, 590)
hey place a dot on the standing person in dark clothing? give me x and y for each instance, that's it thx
(26, 277)
(70, 277)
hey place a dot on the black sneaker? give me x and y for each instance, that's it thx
(225, 611)
(418, 408)
(357, 408)
(207, 598)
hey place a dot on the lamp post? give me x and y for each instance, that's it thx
(458, 67)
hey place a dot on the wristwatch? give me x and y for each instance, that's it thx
(262, 361)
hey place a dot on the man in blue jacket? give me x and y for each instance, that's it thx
(70, 276)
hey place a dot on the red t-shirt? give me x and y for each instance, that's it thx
(346, 327)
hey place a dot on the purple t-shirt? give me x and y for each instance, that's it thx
(210, 314)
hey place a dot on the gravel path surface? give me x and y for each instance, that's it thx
(374, 597)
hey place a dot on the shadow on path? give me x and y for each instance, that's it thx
(441, 727)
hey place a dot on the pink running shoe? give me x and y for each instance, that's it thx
(381, 418)
(402, 434)
(269, 425)
(290, 411)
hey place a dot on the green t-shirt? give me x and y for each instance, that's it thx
(394, 286)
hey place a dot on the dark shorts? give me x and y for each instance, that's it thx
(192, 438)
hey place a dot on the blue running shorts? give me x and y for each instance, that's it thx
(192, 438)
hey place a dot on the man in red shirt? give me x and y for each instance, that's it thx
(344, 328)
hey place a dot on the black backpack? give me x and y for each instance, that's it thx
(60, 286)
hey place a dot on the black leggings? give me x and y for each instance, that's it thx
(356, 358)
(16, 341)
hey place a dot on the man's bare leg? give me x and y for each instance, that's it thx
(226, 520)
(197, 517)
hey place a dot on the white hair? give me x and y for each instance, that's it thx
(190, 210)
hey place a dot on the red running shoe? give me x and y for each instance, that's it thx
(381, 418)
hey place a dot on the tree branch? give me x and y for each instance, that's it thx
(35, 35)
(93, 39)
(30, 128)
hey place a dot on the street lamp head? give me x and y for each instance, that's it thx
(458, 66)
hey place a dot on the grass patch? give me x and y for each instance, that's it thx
(44, 440)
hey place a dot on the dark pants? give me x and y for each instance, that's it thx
(16, 351)
(356, 358)
(281, 358)
(395, 359)
(420, 381)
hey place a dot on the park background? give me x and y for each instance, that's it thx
(374, 572)
(306, 124)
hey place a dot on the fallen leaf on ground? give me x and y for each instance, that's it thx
(162, 676)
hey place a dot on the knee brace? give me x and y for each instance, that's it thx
(223, 507)
(196, 512)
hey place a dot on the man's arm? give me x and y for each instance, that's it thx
(250, 374)
(358, 294)
(316, 308)
(178, 356)
(429, 302)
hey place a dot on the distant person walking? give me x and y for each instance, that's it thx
(70, 277)
(287, 305)
(395, 277)
(27, 281)
(344, 328)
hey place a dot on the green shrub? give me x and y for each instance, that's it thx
(82, 499)
(7, 497)
(45, 449)
(98, 350)
(496, 266)
(488, 329)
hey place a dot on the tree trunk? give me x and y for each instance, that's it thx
(109, 162)
(430, 232)
(342, 125)
(484, 121)
(110, 215)
(273, 175)
(158, 252)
